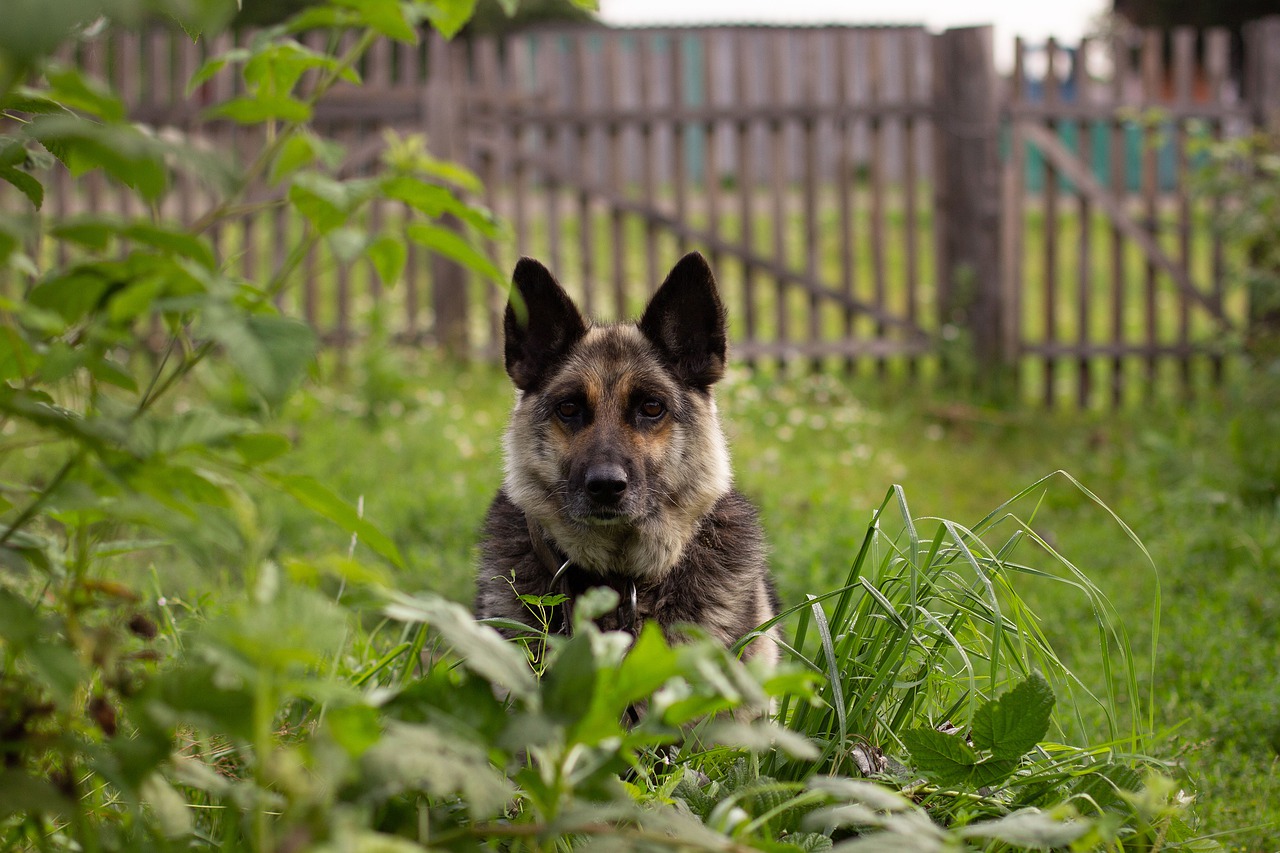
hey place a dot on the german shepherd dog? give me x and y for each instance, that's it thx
(617, 471)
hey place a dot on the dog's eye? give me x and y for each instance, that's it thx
(568, 410)
(652, 409)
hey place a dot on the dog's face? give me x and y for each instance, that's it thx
(614, 444)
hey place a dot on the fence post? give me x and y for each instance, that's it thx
(966, 109)
(1262, 81)
(449, 299)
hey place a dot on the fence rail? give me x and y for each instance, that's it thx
(865, 194)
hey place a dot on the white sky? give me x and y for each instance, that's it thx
(1068, 20)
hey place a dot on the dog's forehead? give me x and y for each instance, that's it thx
(615, 359)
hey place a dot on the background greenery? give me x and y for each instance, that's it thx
(228, 610)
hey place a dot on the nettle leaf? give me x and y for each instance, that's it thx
(434, 201)
(482, 649)
(1011, 726)
(74, 90)
(419, 757)
(25, 184)
(214, 65)
(1030, 828)
(569, 684)
(383, 16)
(452, 245)
(326, 203)
(388, 255)
(123, 151)
(449, 16)
(318, 498)
(302, 149)
(271, 352)
(946, 759)
(762, 737)
(256, 109)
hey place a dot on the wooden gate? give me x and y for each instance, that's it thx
(1114, 268)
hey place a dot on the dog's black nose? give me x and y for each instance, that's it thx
(606, 483)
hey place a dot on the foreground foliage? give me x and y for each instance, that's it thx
(313, 704)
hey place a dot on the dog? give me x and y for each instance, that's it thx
(617, 470)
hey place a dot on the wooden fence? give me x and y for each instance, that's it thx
(873, 199)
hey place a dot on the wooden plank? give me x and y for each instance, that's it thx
(1152, 76)
(519, 63)
(910, 186)
(550, 83)
(1217, 62)
(712, 168)
(582, 154)
(1119, 193)
(1084, 256)
(811, 46)
(450, 301)
(1014, 212)
(407, 75)
(679, 128)
(879, 241)
(968, 179)
(744, 68)
(1184, 46)
(779, 60)
(646, 69)
(846, 181)
(1052, 98)
(614, 94)
(488, 78)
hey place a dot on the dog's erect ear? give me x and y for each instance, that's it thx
(685, 320)
(541, 324)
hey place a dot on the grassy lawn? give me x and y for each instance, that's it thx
(418, 441)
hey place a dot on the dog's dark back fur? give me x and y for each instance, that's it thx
(617, 466)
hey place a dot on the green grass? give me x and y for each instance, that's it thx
(418, 440)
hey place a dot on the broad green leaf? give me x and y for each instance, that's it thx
(325, 202)
(212, 66)
(123, 151)
(383, 16)
(1029, 827)
(172, 241)
(197, 428)
(388, 256)
(354, 727)
(649, 664)
(762, 737)
(256, 109)
(21, 794)
(1011, 726)
(317, 497)
(420, 758)
(450, 244)
(72, 89)
(434, 201)
(57, 667)
(946, 759)
(449, 16)
(169, 807)
(271, 352)
(74, 294)
(257, 448)
(569, 684)
(482, 649)
(19, 624)
(347, 243)
(25, 183)
(105, 370)
(300, 150)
